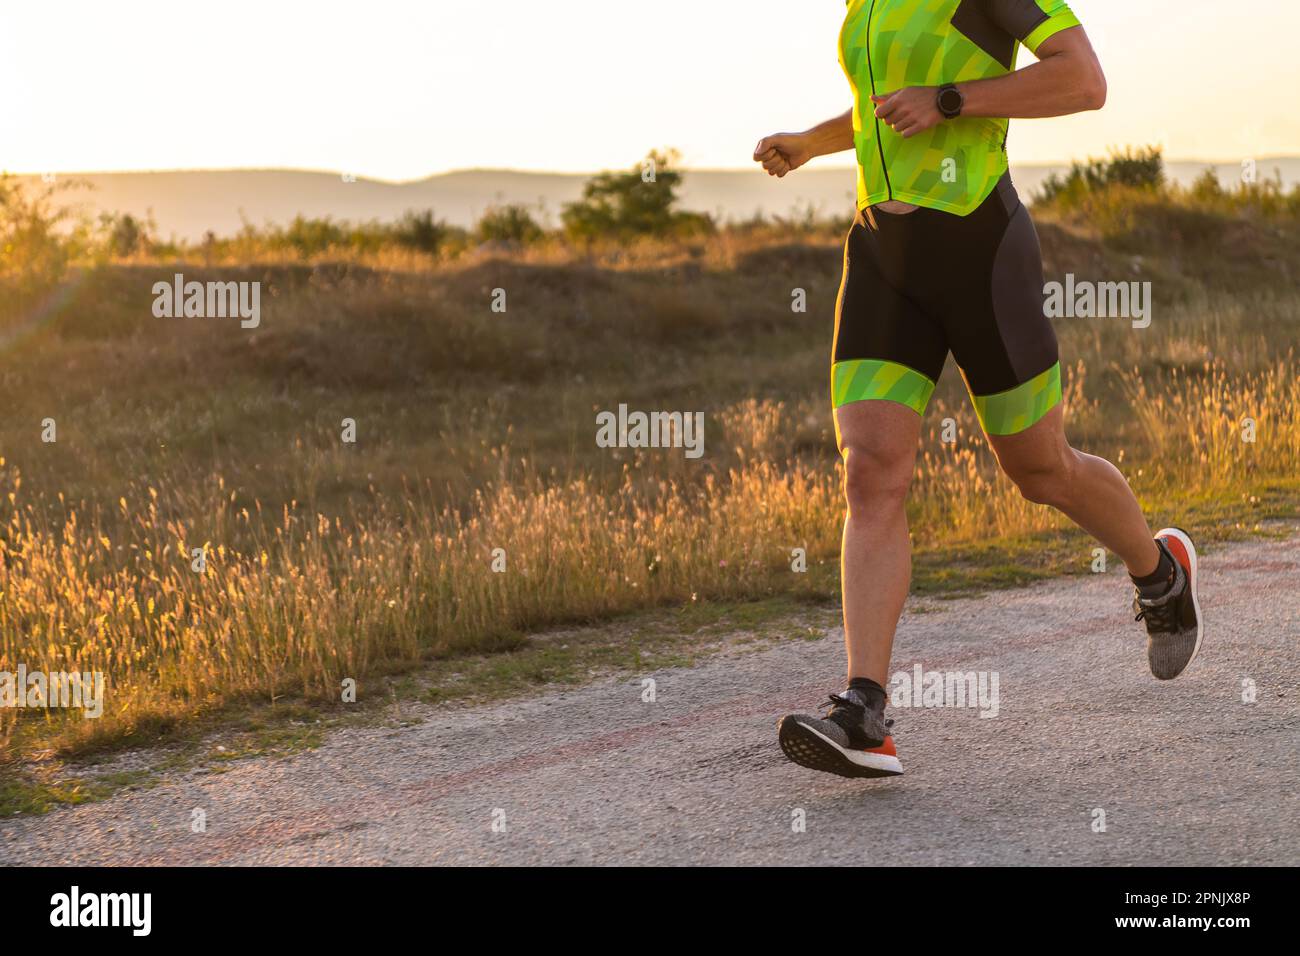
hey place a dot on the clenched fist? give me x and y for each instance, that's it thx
(781, 153)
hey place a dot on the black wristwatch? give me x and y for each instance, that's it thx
(950, 101)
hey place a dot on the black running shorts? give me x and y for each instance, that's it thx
(920, 284)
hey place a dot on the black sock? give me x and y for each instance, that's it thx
(1158, 582)
(874, 693)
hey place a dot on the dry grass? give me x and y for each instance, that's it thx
(298, 601)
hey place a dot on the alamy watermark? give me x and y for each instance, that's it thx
(922, 688)
(75, 908)
(41, 690)
(209, 300)
(651, 430)
(1083, 299)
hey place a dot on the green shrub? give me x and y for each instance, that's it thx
(510, 223)
(312, 236)
(1207, 188)
(38, 240)
(420, 230)
(1141, 168)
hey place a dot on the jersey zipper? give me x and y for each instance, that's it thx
(880, 147)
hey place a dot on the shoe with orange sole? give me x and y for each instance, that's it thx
(852, 740)
(1175, 626)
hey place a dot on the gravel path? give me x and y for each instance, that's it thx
(1186, 772)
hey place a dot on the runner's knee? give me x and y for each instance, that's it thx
(876, 476)
(1045, 480)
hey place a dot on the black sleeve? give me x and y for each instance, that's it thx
(1017, 17)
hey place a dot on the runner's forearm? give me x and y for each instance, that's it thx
(1068, 81)
(833, 136)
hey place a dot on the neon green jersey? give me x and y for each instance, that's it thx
(886, 45)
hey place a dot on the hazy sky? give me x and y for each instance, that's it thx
(400, 90)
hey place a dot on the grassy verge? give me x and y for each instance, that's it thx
(628, 645)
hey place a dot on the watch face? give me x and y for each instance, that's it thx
(950, 101)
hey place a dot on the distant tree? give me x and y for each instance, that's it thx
(126, 234)
(638, 202)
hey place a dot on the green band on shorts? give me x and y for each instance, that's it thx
(1014, 410)
(858, 379)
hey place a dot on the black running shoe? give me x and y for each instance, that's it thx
(1175, 627)
(852, 740)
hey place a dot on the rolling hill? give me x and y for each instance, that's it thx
(186, 203)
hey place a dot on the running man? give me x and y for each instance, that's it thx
(942, 256)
